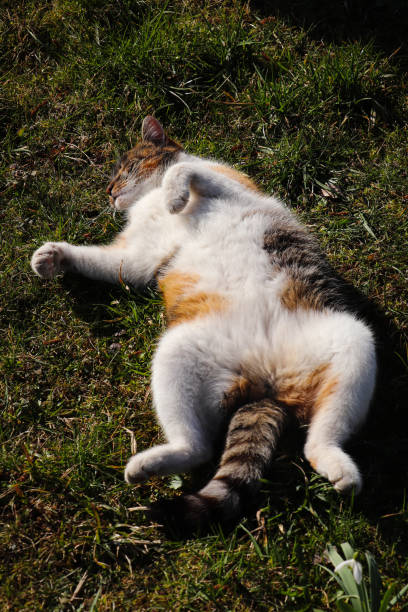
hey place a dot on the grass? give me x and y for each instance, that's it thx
(315, 110)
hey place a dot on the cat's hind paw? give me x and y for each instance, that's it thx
(143, 465)
(47, 261)
(335, 465)
(164, 459)
(134, 473)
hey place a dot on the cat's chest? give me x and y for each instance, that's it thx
(225, 257)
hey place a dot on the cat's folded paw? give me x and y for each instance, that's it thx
(176, 205)
(176, 188)
(47, 261)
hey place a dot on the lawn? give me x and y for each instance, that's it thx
(311, 100)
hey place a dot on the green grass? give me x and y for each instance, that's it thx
(315, 110)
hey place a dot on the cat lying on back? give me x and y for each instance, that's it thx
(259, 326)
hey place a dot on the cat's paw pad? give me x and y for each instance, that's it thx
(46, 261)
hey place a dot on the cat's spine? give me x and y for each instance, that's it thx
(250, 444)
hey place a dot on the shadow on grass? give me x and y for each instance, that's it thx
(91, 301)
(381, 447)
(385, 21)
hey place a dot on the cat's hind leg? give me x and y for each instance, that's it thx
(187, 390)
(340, 410)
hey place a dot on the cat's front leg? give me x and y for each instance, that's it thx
(50, 259)
(106, 263)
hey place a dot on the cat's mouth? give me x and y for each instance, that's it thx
(117, 202)
(121, 201)
(116, 199)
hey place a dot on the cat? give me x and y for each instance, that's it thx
(260, 328)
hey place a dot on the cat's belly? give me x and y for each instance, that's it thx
(259, 334)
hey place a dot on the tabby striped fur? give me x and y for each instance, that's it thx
(250, 445)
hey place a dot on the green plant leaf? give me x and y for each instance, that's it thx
(176, 482)
(374, 582)
(349, 584)
(348, 550)
(344, 606)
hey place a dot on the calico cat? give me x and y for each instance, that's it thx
(260, 328)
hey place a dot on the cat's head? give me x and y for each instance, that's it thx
(141, 169)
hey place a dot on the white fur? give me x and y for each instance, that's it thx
(213, 238)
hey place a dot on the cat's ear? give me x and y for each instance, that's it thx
(152, 131)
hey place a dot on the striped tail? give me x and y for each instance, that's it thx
(250, 444)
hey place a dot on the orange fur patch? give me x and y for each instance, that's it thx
(297, 294)
(326, 390)
(182, 303)
(313, 463)
(150, 164)
(243, 391)
(241, 178)
(305, 395)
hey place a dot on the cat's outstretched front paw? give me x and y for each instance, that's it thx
(48, 260)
